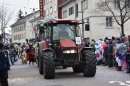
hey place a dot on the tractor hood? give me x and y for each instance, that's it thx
(67, 43)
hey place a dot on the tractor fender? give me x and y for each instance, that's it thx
(42, 45)
(88, 48)
(48, 49)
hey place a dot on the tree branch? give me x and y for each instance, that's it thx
(112, 13)
(126, 19)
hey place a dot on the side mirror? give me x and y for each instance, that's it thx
(87, 27)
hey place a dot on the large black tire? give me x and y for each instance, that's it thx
(64, 67)
(49, 65)
(77, 68)
(41, 65)
(89, 69)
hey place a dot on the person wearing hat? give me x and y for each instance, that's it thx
(4, 63)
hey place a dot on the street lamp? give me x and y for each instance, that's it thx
(82, 23)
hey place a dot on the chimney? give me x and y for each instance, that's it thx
(25, 13)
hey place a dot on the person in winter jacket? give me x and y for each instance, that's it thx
(110, 54)
(119, 51)
(128, 58)
(4, 63)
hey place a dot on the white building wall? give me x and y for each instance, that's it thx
(98, 27)
(27, 30)
(52, 13)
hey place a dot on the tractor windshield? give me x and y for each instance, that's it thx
(64, 31)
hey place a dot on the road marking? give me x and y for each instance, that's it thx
(126, 83)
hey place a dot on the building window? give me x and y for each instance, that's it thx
(44, 1)
(76, 10)
(116, 4)
(47, 1)
(51, 10)
(109, 22)
(20, 28)
(127, 3)
(71, 10)
(65, 14)
(55, 7)
(84, 4)
(44, 13)
(47, 12)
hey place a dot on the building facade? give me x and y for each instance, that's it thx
(51, 9)
(22, 29)
(101, 26)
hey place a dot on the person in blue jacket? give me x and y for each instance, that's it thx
(110, 54)
(4, 63)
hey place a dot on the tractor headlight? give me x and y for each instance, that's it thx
(70, 51)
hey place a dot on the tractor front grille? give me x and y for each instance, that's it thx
(70, 57)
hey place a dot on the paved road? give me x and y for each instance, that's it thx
(25, 75)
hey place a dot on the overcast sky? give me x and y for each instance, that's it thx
(16, 5)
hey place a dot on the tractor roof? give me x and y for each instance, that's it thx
(53, 20)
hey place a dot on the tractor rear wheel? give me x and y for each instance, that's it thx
(41, 65)
(89, 69)
(77, 68)
(49, 65)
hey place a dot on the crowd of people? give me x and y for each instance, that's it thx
(113, 52)
(11, 53)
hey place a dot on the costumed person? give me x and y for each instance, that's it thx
(41, 30)
(20, 54)
(119, 51)
(105, 54)
(24, 61)
(32, 58)
(28, 49)
(97, 52)
(101, 51)
(4, 64)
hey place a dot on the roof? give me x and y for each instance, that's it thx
(24, 19)
(35, 19)
(47, 20)
(63, 3)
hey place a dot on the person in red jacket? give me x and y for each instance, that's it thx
(32, 57)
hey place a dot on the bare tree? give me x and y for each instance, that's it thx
(5, 17)
(120, 10)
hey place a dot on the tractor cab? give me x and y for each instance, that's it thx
(55, 30)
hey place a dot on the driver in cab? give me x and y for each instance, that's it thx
(63, 33)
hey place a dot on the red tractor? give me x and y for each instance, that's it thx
(62, 46)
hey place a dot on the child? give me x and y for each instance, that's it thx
(32, 57)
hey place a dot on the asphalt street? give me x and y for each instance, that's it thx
(25, 75)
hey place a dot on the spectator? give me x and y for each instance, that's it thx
(4, 64)
(110, 54)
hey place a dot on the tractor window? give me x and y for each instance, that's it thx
(48, 32)
(64, 31)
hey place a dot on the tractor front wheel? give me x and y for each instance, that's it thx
(49, 65)
(89, 69)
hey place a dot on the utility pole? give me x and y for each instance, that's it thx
(82, 24)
